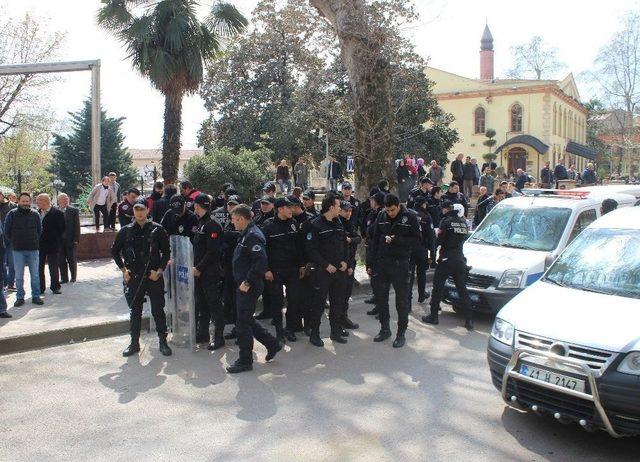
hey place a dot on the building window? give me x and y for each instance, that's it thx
(516, 118)
(479, 120)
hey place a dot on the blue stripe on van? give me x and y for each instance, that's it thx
(533, 278)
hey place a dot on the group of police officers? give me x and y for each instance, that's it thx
(284, 246)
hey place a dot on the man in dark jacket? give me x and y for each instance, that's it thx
(433, 206)
(249, 265)
(559, 172)
(70, 239)
(395, 234)
(10, 275)
(455, 196)
(155, 196)
(423, 190)
(334, 173)
(546, 175)
(23, 228)
(326, 248)
(353, 239)
(468, 175)
(161, 206)
(53, 227)
(125, 208)
(179, 220)
(457, 169)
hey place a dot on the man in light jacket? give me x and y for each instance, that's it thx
(102, 197)
(301, 174)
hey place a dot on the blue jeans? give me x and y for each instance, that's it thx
(30, 258)
(9, 271)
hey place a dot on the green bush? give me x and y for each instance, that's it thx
(247, 170)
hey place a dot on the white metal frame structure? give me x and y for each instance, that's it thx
(72, 66)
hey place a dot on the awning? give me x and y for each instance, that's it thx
(581, 150)
(529, 140)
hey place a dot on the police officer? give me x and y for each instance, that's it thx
(376, 204)
(326, 248)
(422, 190)
(353, 239)
(394, 235)
(249, 267)
(303, 218)
(178, 220)
(125, 208)
(347, 195)
(230, 239)
(266, 211)
(451, 236)
(425, 248)
(221, 214)
(308, 201)
(286, 267)
(268, 190)
(141, 251)
(207, 258)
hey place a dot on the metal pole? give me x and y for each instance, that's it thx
(95, 123)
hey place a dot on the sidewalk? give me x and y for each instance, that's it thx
(94, 307)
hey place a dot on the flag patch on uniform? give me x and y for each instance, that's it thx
(214, 235)
(309, 236)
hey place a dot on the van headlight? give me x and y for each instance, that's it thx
(511, 279)
(503, 331)
(630, 364)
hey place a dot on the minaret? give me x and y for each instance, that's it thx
(486, 55)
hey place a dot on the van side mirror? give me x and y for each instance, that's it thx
(548, 261)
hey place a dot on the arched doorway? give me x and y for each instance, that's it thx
(516, 158)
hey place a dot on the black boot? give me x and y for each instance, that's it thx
(280, 335)
(400, 340)
(423, 297)
(349, 324)
(336, 337)
(164, 346)
(469, 324)
(430, 319)
(384, 334)
(133, 348)
(290, 335)
(373, 311)
(231, 335)
(271, 352)
(315, 339)
(218, 342)
(239, 366)
(343, 333)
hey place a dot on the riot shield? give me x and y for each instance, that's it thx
(180, 295)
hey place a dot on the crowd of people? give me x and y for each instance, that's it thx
(298, 257)
(46, 236)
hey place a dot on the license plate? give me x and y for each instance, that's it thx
(456, 295)
(544, 375)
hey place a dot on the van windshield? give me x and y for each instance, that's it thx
(600, 260)
(531, 228)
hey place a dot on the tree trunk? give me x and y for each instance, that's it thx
(171, 137)
(361, 44)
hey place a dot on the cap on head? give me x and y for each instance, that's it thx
(203, 200)
(282, 202)
(309, 194)
(233, 200)
(425, 179)
(176, 202)
(345, 205)
(269, 186)
(140, 203)
(446, 204)
(268, 199)
(346, 185)
(294, 200)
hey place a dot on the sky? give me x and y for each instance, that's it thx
(447, 34)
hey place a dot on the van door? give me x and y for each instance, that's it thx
(583, 220)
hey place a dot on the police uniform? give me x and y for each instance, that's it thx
(422, 251)
(180, 225)
(259, 220)
(414, 194)
(249, 265)
(284, 261)
(221, 215)
(142, 249)
(230, 240)
(351, 232)
(306, 286)
(190, 198)
(392, 241)
(125, 213)
(326, 245)
(207, 258)
(452, 234)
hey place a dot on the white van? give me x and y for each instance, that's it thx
(569, 345)
(520, 237)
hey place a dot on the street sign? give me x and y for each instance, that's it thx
(350, 164)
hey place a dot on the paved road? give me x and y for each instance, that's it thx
(432, 400)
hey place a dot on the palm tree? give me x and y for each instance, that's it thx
(170, 45)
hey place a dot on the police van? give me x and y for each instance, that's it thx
(569, 345)
(520, 237)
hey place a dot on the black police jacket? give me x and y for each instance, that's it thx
(230, 238)
(404, 229)
(353, 236)
(141, 249)
(250, 257)
(451, 236)
(185, 225)
(125, 213)
(414, 194)
(207, 245)
(434, 209)
(221, 215)
(283, 244)
(427, 233)
(325, 243)
(304, 223)
(457, 198)
(262, 217)
(355, 215)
